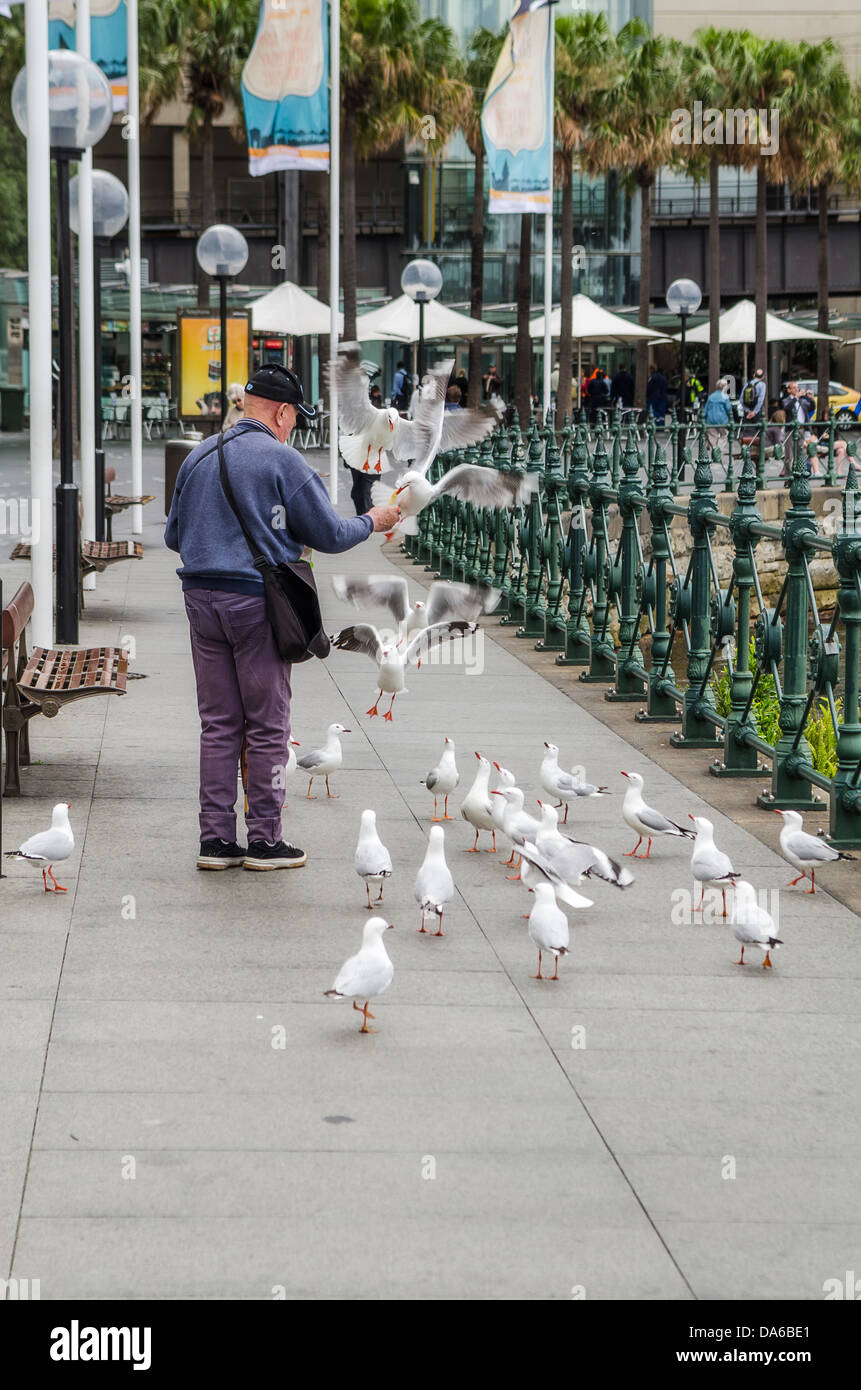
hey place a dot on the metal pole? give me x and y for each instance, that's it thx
(132, 129)
(86, 322)
(334, 229)
(99, 453)
(548, 220)
(222, 317)
(68, 541)
(39, 312)
(682, 403)
(421, 357)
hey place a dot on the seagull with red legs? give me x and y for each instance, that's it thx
(805, 852)
(442, 780)
(647, 822)
(709, 865)
(392, 660)
(752, 925)
(434, 885)
(49, 847)
(477, 807)
(367, 974)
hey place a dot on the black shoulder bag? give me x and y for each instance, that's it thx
(289, 593)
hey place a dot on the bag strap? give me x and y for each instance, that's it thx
(257, 556)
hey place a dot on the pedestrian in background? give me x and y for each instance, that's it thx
(717, 414)
(656, 394)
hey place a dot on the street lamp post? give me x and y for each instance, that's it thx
(422, 281)
(222, 253)
(683, 298)
(80, 108)
(110, 214)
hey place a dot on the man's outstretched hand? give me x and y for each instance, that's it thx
(384, 518)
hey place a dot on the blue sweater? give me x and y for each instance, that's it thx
(282, 500)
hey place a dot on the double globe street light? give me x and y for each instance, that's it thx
(110, 215)
(80, 109)
(222, 254)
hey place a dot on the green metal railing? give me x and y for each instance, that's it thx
(588, 570)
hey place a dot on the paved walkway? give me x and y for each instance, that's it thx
(156, 1143)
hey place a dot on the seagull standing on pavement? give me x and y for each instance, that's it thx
(373, 861)
(504, 780)
(805, 851)
(644, 819)
(751, 924)
(709, 865)
(367, 974)
(322, 762)
(442, 780)
(517, 824)
(477, 807)
(564, 784)
(548, 927)
(49, 847)
(434, 885)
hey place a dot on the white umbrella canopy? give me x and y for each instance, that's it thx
(738, 325)
(288, 309)
(850, 342)
(590, 323)
(399, 320)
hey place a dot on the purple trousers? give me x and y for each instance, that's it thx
(243, 691)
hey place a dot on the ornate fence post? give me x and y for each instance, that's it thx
(577, 634)
(631, 500)
(516, 587)
(503, 531)
(739, 760)
(483, 566)
(697, 731)
(845, 827)
(533, 539)
(554, 486)
(661, 707)
(830, 479)
(602, 653)
(788, 791)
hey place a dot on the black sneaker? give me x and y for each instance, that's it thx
(220, 854)
(262, 855)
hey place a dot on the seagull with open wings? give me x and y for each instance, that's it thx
(391, 660)
(446, 601)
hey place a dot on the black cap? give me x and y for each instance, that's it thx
(277, 383)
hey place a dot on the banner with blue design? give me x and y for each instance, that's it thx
(285, 87)
(514, 118)
(108, 41)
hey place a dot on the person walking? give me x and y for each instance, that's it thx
(402, 389)
(717, 414)
(599, 393)
(753, 396)
(622, 387)
(656, 395)
(243, 686)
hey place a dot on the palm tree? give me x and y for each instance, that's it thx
(484, 49)
(586, 60)
(397, 71)
(826, 146)
(196, 50)
(713, 66)
(634, 133)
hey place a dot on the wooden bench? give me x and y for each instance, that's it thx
(115, 502)
(95, 557)
(46, 680)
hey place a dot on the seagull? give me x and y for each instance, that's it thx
(431, 430)
(646, 821)
(751, 924)
(373, 861)
(565, 785)
(504, 779)
(390, 660)
(434, 885)
(367, 974)
(291, 764)
(322, 762)
(442, 780)
(477, 807)
(534, 869)
(573, 860)
(471, 482)
(548, 927)
(49, 847)
(805, 851)
(446, 602)
(517, 824)
(709, 865)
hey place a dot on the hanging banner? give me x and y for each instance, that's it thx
(514, 116)
(285, 88)
(107, 39)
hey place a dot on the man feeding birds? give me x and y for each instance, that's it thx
(243, 685)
